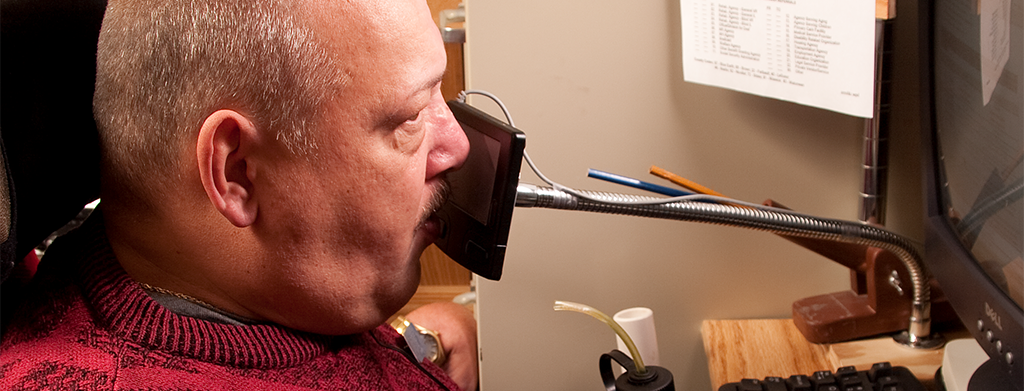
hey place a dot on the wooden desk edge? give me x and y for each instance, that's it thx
(758, 348)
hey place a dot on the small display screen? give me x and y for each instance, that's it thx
(476, 219)
(473, 184)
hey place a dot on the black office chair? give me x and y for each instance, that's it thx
(50, 161)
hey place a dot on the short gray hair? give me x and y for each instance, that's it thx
(164, 66)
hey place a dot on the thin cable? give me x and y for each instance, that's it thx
(508, 118)
(656, 201)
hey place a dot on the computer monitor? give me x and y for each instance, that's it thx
(973, 131)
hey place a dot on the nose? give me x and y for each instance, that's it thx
(450, 147)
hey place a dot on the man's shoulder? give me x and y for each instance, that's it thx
(54, 343)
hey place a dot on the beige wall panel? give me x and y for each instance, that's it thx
(600, 84)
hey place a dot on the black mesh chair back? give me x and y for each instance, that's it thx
(50, 143)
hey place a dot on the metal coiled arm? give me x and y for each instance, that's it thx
(775, 221)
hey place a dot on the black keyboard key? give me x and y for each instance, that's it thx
(906, 380)
(887, 380)
(823, 377)
(858, 387)
(750, 385)
(729, 387)
(824, 381)
(852, 380)
(847, 375)
(881, 377)
(774, 384)
(799, 383)
(879, 370)
(846, 371)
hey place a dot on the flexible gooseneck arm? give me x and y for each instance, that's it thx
(776, 221)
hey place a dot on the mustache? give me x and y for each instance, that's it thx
(438, 199)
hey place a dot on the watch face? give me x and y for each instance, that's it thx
(432, 348)
(424, 345)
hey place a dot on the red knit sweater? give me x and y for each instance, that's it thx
(86, 325)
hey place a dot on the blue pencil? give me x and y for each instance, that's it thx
(607, 176)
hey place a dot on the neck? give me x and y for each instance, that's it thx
(166, 253)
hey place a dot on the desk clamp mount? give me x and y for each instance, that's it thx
(791, 225)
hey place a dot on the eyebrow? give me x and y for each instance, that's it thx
(434, 81)
(429, 84)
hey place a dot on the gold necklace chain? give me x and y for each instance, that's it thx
(178, 295)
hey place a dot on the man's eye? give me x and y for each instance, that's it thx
(414, 117)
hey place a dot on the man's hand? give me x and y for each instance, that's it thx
(456, 328)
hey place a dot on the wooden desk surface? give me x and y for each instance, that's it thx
(755, 349)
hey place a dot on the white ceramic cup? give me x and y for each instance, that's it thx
(639, 324)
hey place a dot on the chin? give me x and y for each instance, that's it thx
(411, 281)
(399, 287)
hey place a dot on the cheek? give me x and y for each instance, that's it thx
(379, 182)
(398, 166)
(394, 187)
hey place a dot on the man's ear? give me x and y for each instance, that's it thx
(224, 150)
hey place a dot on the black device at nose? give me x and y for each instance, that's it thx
(476, 219)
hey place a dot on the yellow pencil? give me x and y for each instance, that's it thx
(660, 172)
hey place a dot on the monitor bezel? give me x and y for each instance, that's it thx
(977, 300)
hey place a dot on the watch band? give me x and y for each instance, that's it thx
(423, 342)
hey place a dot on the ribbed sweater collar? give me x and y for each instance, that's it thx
(132, 314)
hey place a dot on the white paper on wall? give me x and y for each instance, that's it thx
(818, 53)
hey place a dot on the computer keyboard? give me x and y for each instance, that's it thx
(881, 377)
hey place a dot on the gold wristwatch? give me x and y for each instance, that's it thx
(424, 343)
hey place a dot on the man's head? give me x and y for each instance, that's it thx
(277, 160)
(167, 65)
